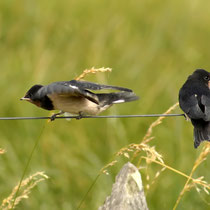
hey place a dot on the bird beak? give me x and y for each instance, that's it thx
(25, 99)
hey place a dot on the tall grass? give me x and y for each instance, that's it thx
(151, 46)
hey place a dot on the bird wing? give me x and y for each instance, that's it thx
(66, 89)
(191, 107)
(205, 100)
(94, 86)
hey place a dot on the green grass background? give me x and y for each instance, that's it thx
(151, 45)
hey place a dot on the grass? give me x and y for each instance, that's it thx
(24, 188)
(151, 46)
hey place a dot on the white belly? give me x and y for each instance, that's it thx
(75, 105)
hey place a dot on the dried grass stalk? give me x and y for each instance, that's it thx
(25, 188)
(137, 148)
(104, 169)
(146, 138)
(2, 151)
(202, 157)
(93, 70)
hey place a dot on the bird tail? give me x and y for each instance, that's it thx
(116, 98)
(201, 134)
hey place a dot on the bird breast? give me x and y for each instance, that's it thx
(74, 104)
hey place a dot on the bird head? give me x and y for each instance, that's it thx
(30, 95)
(202, 75)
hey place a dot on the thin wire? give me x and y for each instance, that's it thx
(105, 116)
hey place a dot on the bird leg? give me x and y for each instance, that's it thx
(186, 117)
(80, 116)
(52, 118)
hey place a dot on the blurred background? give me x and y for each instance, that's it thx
(152, 46)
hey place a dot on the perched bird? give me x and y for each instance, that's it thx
(75, 97)
(194, 100)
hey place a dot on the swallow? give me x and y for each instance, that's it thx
(77, 97)
(194, 100)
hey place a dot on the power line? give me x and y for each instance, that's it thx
(85, 117)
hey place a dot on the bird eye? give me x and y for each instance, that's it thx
(28, 95)
(206, 78)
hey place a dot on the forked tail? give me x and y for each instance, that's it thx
(201, 134)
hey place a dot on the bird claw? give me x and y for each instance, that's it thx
(79, 116)
(52, 118)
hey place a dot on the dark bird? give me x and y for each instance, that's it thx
(194, 100)
(76, 97)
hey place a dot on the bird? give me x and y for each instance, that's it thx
(77, 97)
(194, 100)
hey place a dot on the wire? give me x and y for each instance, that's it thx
(82, 117)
